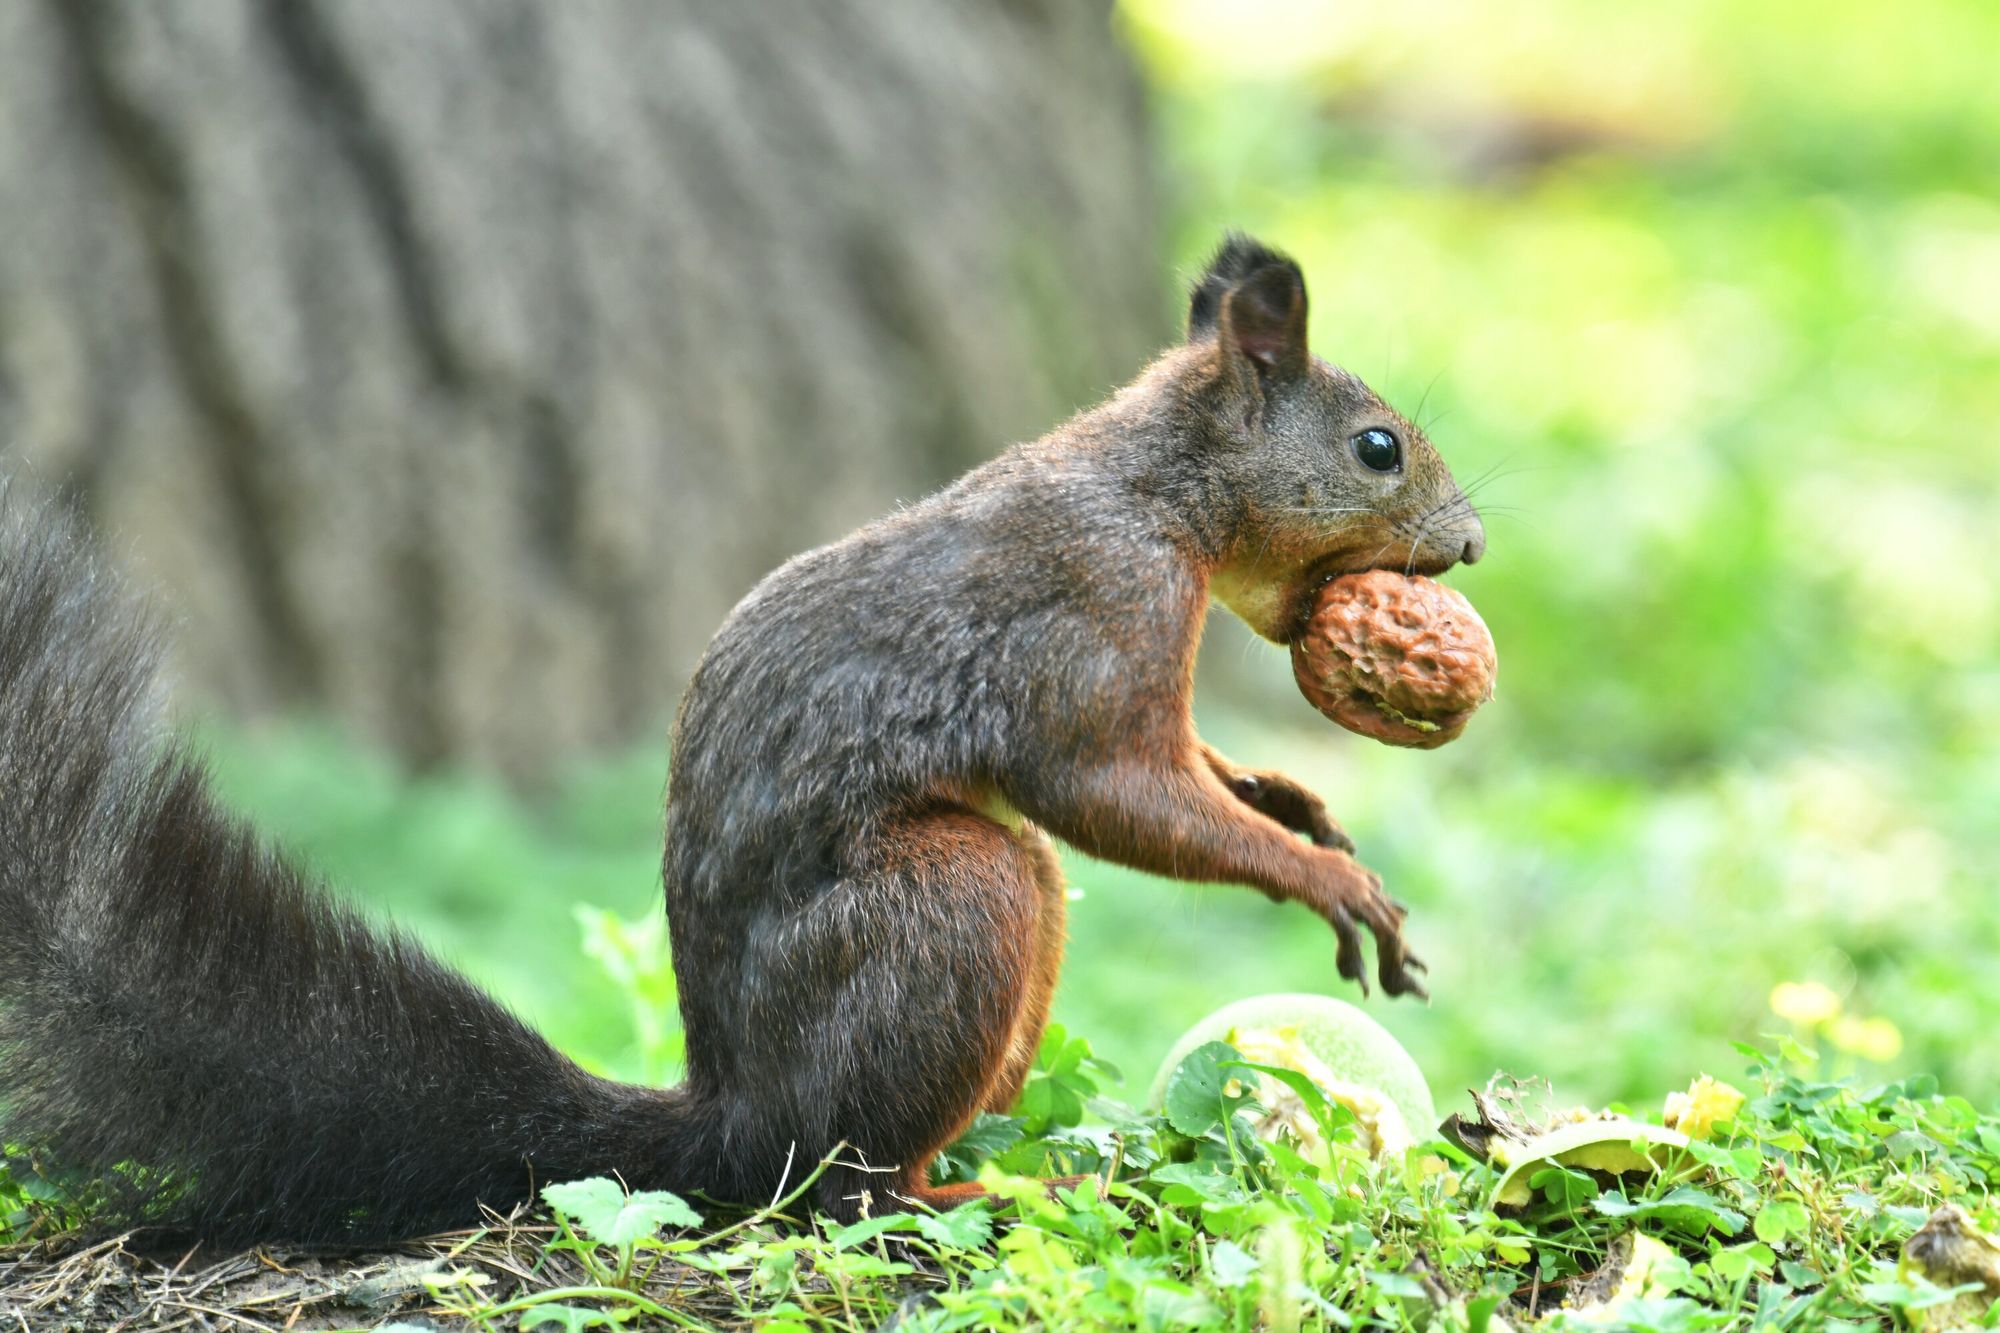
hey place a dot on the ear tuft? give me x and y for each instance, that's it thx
(1238, 258)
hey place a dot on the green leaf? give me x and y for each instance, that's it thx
(1737, 1262)
(1175, 1305)
(966, 1227)
(1906, 1216)
(1780, 1219)
(1033, 1103)
(863, 1263)
(1230, 1265)
(1905, 1144)
(985, 1138)
(1201, 1182)
(868, 1228)
(1195, 1102)
(1058, 1054)
(1790, 1049)
(1798, 1275)
(1479, 1313)
(1685, 1208)
(610, 1216)
(1400, 1285)
(570, 1318)
(1329, 1114)
(1065, 1076)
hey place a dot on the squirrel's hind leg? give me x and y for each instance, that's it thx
(940, 928)
(1051, 929)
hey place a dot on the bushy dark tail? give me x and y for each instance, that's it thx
(189, 1021)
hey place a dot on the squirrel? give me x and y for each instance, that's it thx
(868, 766)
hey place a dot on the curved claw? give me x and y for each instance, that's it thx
(1402, 983)
(1393, 964)
(1326, 833)
(1349, 959)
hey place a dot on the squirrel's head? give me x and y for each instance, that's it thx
(1323, 476)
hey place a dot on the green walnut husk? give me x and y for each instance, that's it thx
(1353, 1058)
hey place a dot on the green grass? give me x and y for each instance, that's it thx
(1790, 1213)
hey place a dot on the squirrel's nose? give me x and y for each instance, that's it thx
(1475, 546)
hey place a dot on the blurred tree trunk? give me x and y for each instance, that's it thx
(454, 367)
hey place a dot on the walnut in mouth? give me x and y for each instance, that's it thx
(1403, 660)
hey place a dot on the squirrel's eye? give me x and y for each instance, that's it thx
(1378, 449)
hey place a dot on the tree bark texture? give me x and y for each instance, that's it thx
(453, 367)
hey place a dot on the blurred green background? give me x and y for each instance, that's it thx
(1706, 297)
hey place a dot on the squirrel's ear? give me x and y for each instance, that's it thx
(1252, 300)
(1263, 320)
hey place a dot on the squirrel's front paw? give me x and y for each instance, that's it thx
(1286, 801)
(1361, 899)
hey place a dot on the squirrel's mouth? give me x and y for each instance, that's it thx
(1304, 591)
(1276, 598)
(1425, 561)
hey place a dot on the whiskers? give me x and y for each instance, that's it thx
(1498, 472)
(1418, 415)
(1466, 502)
(1410, 565)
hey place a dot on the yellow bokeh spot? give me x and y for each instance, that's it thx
(1806, 1004)
(1874, 1039)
